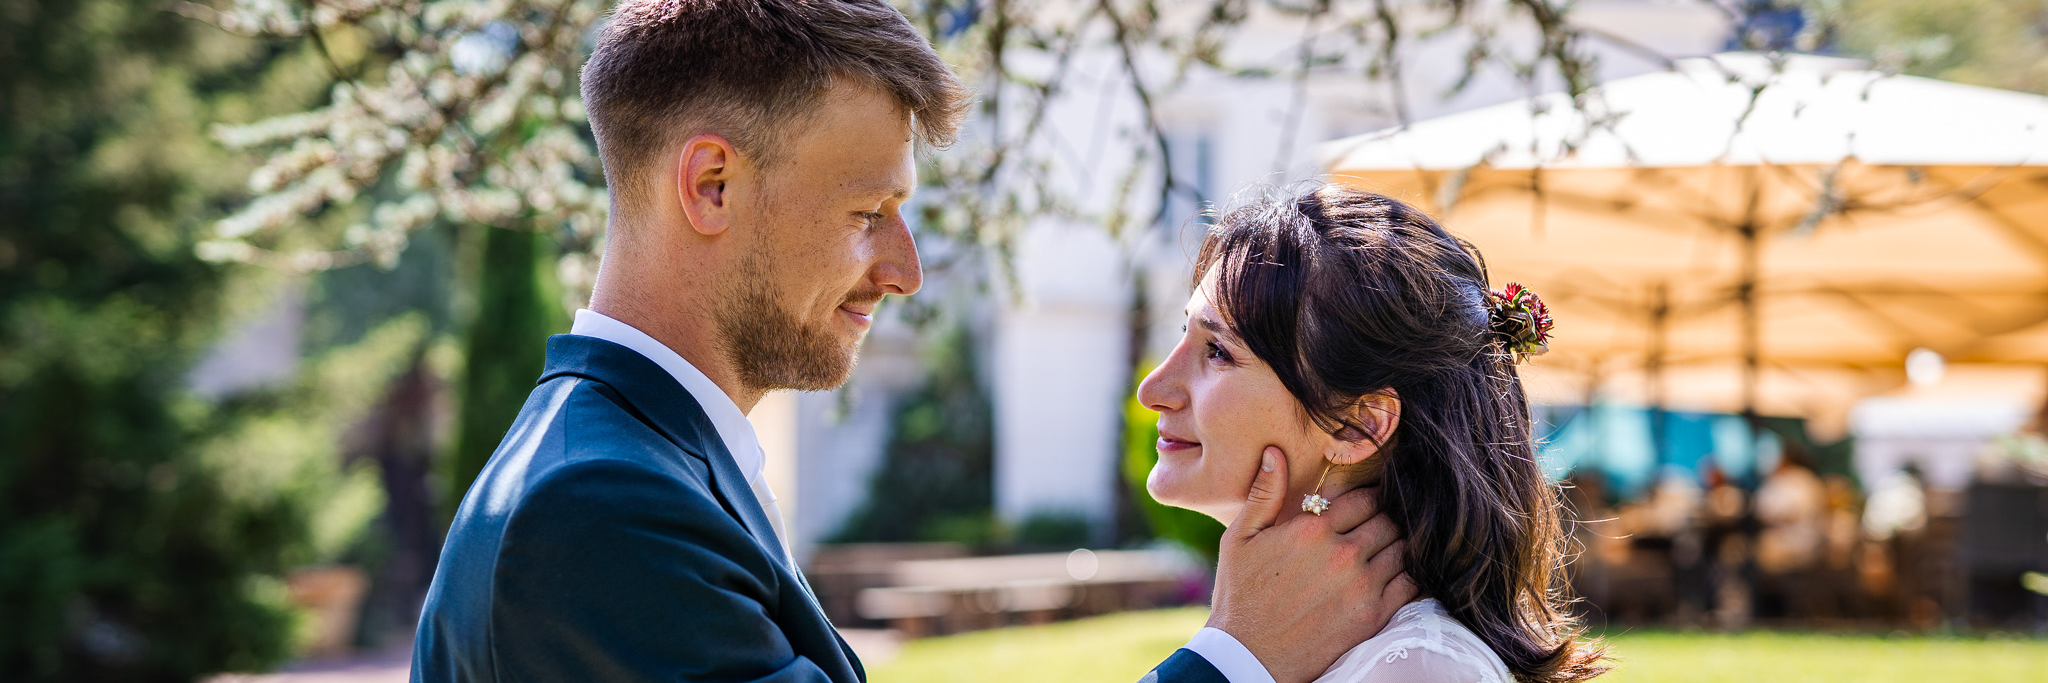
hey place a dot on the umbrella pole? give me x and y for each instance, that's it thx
(1653, 367)
(1752, 362)
(1739, 614)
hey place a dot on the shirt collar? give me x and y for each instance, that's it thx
(733, 427)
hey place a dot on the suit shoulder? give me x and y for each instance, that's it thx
(570, 419)
(604, 483)
(576, 445)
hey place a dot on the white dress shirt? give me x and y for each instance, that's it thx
(1228, 656)
(732, 425)
(1220, 649)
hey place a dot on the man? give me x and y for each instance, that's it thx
(759, 153)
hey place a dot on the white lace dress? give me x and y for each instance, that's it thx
(1422, 644)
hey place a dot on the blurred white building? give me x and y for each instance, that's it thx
(1059, 352)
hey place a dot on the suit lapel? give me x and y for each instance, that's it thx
(859, 670)
(667, 407)
(670, 409)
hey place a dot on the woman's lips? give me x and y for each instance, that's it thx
(1169, 443)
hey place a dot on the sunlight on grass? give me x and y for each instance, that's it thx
(1772, 656)
(1117, 648)
(1122, 647)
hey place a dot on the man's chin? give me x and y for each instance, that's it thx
(826, 376)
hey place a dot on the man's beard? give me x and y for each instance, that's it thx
(770, 347)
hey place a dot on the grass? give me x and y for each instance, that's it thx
(1118, 647)
(1667, 657)
(1122, 647)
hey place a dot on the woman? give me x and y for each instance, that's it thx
(1357, 335)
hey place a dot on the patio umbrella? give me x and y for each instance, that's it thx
(1746, 232)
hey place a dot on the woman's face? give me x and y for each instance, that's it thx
(1219, 408)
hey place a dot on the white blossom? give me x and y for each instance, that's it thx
(475, 121)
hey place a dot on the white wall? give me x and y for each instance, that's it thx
(1060, 373)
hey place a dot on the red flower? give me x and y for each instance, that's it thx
(1520, 316)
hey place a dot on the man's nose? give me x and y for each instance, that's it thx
(897, 270)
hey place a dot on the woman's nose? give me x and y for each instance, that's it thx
(1160, 391)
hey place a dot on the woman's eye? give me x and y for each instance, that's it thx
(1216, 353)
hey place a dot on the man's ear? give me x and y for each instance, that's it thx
(705, 164)
(1378, 414)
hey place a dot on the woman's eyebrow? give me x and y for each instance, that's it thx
(1217, 328)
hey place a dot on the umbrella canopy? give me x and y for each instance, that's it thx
(1746, 231)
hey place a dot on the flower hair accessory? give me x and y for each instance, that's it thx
(1521, 320)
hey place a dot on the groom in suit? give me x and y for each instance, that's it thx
(759, 154)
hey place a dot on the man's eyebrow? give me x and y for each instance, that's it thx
(889, 190)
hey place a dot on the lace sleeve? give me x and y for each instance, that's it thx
(1423, 665)
(1423, 644)
(1418, 663)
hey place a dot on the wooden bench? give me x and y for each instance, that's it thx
(929, 597)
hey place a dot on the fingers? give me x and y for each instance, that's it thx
(1389, 563)
(1352, 509)
(1373, 537)
(1402, 590)
(1268, 488)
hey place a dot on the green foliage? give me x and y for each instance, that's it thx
(1141, 436)
(285, 447)
(142, 532)
(1055, 531)
(505, 346)
(935, 481)
(1994, 43)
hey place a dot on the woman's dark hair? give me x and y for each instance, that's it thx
(1344, 294)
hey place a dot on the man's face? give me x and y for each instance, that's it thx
(826, 242)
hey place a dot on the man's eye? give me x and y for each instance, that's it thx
(872, 217)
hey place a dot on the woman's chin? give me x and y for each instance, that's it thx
(1223, 514)
(1163, 489)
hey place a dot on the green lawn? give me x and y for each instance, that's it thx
(1120, 648)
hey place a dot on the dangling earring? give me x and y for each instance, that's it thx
(1314, 503)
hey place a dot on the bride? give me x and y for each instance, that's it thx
(1359, 337)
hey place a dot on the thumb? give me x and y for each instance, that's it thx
(1262, 507)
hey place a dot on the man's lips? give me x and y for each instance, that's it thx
(863, 314)
(1169, 442)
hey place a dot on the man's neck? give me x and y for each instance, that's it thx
(686, 327)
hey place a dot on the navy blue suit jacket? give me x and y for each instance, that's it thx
(612, 537)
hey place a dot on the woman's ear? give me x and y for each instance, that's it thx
(1376, 416)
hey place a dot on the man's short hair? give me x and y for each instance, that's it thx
(751, 71)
